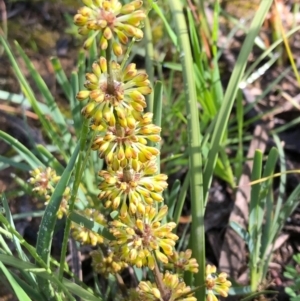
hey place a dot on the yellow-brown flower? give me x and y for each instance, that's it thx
(44, 181)
(112, 20)
(136, 184)
(140, 235)
(64, 204)
(148, 291)
(106, 265)
(129, 140)
(175, 289)
(216, 283)
(119, 90)
(182, 261)
(85, 235)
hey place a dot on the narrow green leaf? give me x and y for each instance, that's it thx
(61, 77)
(55, 112)
(31, 291)
(75, 104)
(23, 151)
(267, 196)
(45, 235)
(149, 58)
(181, 198)
(50, 161)
(81, 66)
(157, 108)
(171, 33)
(13, 162)
(256, 211)
(243, 234)
(231, 91)
(171, 202)
(79, 291)
(67, 284)
(51, 133)
(194, 144)
(20, 293)
(91, 225)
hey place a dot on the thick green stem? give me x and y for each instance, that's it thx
(194, 140)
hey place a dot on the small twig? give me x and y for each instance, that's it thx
(18, 111)
(159, 282)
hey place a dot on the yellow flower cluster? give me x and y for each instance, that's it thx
(135, 184)
(44, 181)
(216, 283)
(141, 236)
(84, 235)
(106, 265)
(111, 92)
(182, 261)
(110, 20)
(115, 105)
(175, 290)
(130, 185)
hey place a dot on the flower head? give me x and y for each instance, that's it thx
(119, 90)
(44, 181)
(109, 264)
(136, 184)
(128, 141)
(64, 204)
(110, 19)
(182, 261)
(87, 236)
(148, 291)
(176, 289)
(141, 235)
(216, 283)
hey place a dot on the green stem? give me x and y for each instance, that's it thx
(109, 59)
(157, 114)
(195, 157)
(203, 20)
(127, 54)
(149, 61)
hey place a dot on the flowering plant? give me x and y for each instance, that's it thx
(124, 216)
(130, 185)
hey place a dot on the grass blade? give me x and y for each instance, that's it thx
(195, 157)
(52, 134)
(61, 77)
(55, 113)
(230, 94)
(20, 293)
(23, 151)
(45, 235)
